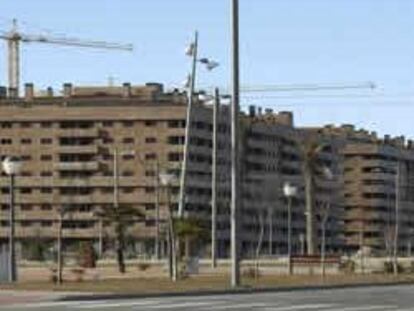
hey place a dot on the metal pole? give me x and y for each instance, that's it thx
(289, 235)
(157, 211)
(270, 213)
(216, 108)
(397, 216)
(183, 176)
(235, 267)
(100, 238)
(59, 248)
(173, 248)
(116, 178)
(12, 251)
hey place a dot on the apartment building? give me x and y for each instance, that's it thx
(377, 189)
(272, 156)
(72, 143)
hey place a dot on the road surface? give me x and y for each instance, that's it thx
(385, 298)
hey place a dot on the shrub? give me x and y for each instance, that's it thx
(142, 266)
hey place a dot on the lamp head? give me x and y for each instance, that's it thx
(12, 165)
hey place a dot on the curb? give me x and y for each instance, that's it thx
(237, 291)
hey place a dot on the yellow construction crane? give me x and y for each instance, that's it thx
(14, 37)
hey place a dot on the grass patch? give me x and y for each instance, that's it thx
(204, 283)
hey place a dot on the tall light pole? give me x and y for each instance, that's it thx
(397, 217)
(167, 180)
(289, 191)
(216, 107)
(327, 172)
(235, 92)
(191, 51)
(12, 166)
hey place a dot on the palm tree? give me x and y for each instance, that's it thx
(310, 149)
(120, 217)
(188, 230)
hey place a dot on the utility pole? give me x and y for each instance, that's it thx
(183, 177)
(216, 108)
(397, 218)
(235, 88)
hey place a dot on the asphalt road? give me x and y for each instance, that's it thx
(353, 299)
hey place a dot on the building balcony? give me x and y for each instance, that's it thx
(89, 132)
(77, 149)
(78, 166)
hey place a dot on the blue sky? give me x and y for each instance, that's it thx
(282, 42)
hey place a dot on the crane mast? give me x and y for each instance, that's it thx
(14, 37)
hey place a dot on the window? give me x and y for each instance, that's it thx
(108, 140)
(150, 140)
(149, 189)
(128, 140)
(128, 190)
(46, 141)
(26, 223)
(6, 141)
(25, 125)
(45, 157)
(128, 156)
(150, 173)
(7, 125)
(176, 123)
(25, 190)
(26, 207)
(46, 174)
(26, 157)
(5, 190)
(127, 173)
(25, 141)
(150, 156)
(46, 223)
(176, 140)
(46, 207)
(149, 206)
(108, 157)
(25, 173)
(46, 124)
(107, 123)
(175, 156)
(128, 123)
(150, 123)
(46, 190)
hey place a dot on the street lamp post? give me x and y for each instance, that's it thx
(289, 191)
(327, 172)
(191, 51)
(166, 180)
(12, 166)
(235, 90)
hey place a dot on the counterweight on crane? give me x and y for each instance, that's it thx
(14, 37)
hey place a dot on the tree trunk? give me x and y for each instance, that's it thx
(120, 248)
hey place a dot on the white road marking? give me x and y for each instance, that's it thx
(99, 304)
(243, 306)
(366, 308)
(182, 305)
(300, 307)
